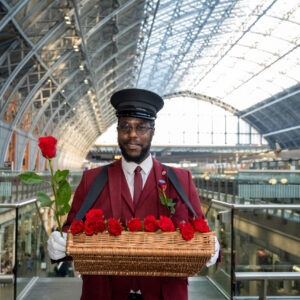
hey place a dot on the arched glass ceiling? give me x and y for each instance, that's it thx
(241, 52)
(190, 122)
(60, 61)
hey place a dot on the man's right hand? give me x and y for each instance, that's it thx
(57, 245)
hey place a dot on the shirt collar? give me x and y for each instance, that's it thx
(146, 165)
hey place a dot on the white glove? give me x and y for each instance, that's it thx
(215, 256)
(57, 245)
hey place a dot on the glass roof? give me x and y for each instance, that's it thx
(60, 61)
(241, 52)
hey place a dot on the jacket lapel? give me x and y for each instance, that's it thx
(158, 172)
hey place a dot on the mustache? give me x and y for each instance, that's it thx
(133, 142)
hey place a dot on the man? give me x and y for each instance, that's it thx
(131, 191)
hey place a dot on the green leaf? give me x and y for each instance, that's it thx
(44, 199)
(63, 193)
(60, 176)
(162, 199)
(67, 208)
(30, 178)
(61, 212)
(64, 209)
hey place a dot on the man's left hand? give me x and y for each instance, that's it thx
(215, 256)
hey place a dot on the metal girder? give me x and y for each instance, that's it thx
(163, 45)
(205, 42)
(84, 49)
(48, 101)
(236, 42)
(62, 120)
(268, 66)
(148, 32)
(115, 69)
(9, 49)
(11, 12)
(33, 10)
(32, 52)
(14, 91)
(190, 39)
(116, 37)
(107, 18)
(115, 55)
(31, 96)
(28, 99)
(205, 98)
(252, 111)
(60, 106)
(281, 131)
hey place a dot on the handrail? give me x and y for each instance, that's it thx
(17, 204)
(266, 275)
(256, 206)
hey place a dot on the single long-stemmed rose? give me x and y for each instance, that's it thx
(167, 202)
(60, 186)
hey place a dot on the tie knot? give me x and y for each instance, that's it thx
(138, 169)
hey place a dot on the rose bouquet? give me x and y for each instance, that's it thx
(60, 186)
(95, 223)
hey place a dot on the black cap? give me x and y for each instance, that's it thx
(136, 103)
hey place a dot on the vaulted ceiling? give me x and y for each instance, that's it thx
(60, 61)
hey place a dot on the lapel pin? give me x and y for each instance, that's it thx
(163, 173)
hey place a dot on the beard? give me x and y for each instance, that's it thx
(138, 158)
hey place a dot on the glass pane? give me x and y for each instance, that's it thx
(267, 240)
(31, 247)
(219, 220)
(7, 252)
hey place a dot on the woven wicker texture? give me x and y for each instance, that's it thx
(140, 253)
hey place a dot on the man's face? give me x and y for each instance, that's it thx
(134, 138)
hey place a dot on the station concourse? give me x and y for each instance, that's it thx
(229, 74)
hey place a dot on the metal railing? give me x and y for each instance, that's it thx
(232, 215)
(265, 277)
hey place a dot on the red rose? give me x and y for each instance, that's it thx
(186, 230)
(200, 225)
(89, 227)
(134, 225)
(150, 224)
(162, 185)
(94, 215)
(165, 224)
(77, 227)
(48, 146)
(114, 227)
(100, 226)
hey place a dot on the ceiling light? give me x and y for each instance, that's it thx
(86, 81)
(81, 67)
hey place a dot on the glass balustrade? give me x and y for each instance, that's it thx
(255, 236)
(264, 238)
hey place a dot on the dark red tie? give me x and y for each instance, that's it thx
(138, 185)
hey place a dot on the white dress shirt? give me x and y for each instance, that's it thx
(129, 167)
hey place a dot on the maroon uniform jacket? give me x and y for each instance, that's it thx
(115, 201)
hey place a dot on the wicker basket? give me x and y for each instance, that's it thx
(140, 253)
